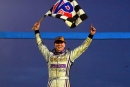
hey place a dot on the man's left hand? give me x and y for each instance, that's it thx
(92, 30)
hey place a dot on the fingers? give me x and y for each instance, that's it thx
(92, 28)
(36, 26)
(37, 23)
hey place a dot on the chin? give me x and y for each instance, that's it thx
(59, 50)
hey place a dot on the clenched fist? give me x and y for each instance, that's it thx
(36, 26)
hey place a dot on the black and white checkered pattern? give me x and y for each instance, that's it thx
(78, 15)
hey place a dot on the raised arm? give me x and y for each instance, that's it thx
(80, 49)
(44, 50)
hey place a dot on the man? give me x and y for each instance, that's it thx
(59, 60)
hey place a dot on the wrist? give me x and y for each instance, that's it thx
(90, 36)
(36, 31)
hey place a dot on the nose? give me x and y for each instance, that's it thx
(59, 44)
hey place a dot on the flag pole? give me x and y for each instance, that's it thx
(40, 20)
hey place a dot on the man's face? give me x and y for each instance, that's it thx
(59, 46)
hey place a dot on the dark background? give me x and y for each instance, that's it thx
(106, 63)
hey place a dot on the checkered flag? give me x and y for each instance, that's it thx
(69, 11)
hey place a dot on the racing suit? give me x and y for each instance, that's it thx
(59, 63)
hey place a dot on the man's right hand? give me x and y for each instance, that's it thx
(36, 26)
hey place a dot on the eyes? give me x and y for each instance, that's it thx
(59, 42)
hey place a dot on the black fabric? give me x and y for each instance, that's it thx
(90, 36)
(77, 8)
(83, 17)
(58, 15)
(36, 31)
(70, 0)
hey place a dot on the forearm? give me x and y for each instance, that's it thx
(38, 38)
(84, 45)
(80, 49)
(44, 50)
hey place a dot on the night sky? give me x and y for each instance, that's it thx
(106, 63)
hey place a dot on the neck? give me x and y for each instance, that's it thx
(59, 52)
